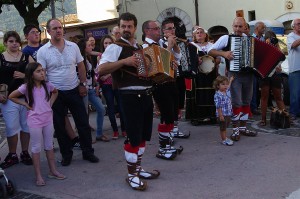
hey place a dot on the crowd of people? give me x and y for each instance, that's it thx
(47, 81)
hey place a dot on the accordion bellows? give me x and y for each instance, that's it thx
(155, 63)
(253, 54)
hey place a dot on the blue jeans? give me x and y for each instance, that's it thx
(294, 83)
(110, 96)
(97, 104)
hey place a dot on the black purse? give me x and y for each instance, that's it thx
(280, 119)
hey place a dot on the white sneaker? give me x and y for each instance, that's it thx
(227, 142)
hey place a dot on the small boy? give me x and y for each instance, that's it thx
(222, 100)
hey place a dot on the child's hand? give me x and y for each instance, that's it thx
(231, 78)
(221, 118)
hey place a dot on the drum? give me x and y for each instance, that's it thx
(207, 65)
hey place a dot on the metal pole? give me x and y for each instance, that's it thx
(53, 9)
(197, 12)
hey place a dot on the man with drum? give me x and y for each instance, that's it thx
(242, 85)
(136, 98)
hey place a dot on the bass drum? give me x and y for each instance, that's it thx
(207, 65)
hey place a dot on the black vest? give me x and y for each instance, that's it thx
(127, 75)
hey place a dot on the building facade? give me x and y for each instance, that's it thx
(208, 13)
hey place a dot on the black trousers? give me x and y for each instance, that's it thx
(138, 115)
(166, 97)
(73, 101)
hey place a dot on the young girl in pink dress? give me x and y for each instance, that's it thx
(40, 96)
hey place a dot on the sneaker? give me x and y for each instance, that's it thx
(227, 142)
(115, 135)
(25, 158)
(10, 160)
(77, 146)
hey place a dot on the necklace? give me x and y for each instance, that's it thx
(15, 57)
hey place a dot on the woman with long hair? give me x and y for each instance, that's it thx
(111, 94)
(273, 82)
(92, 97)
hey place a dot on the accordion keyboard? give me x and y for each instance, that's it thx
(243, 49)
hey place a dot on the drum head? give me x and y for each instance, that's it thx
(207, 65)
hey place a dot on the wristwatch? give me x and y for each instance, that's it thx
(82, 84)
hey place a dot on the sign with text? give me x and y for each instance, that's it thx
(96, 33)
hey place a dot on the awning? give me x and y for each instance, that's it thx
(274, 25)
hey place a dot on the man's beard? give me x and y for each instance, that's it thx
(126, 35)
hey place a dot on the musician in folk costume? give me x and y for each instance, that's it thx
(151, 36)
(136, 98)
(208, 71)
(242, 85)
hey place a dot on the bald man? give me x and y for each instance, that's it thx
(259, 30)
(242, 85)
(116, 34)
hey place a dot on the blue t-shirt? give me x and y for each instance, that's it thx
(32, 51)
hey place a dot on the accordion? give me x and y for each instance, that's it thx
(253, 54)
(155, 63)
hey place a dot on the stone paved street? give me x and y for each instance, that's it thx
(268, 165)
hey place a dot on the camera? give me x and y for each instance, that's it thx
(274, 41)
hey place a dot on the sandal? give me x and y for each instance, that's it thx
(57, 176)
(248, 132)
(179, 134)
(40, 183)
(102, 138)
(148, 175)
(136, 183)
(262, 123)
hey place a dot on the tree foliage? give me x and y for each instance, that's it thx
(29, 10)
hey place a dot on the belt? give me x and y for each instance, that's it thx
(147, 91)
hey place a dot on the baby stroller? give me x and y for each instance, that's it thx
(7, 187)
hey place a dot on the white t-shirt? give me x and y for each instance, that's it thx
(60, 66)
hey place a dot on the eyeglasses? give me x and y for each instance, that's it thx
(170, 28)
(156, 28)
(34, 32)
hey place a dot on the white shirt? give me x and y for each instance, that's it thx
(221, 43)
(176, 55)
(60, 66)
(294, 53)
(112, 54)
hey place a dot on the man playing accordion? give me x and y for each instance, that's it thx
(242, 85)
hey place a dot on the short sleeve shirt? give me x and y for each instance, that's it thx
(41, 113)
(61, 66)
(223, 101)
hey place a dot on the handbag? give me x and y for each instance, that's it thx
(280, 119)
(3, 90)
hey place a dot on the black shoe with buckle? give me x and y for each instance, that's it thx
(91, 157)
(25, 158)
